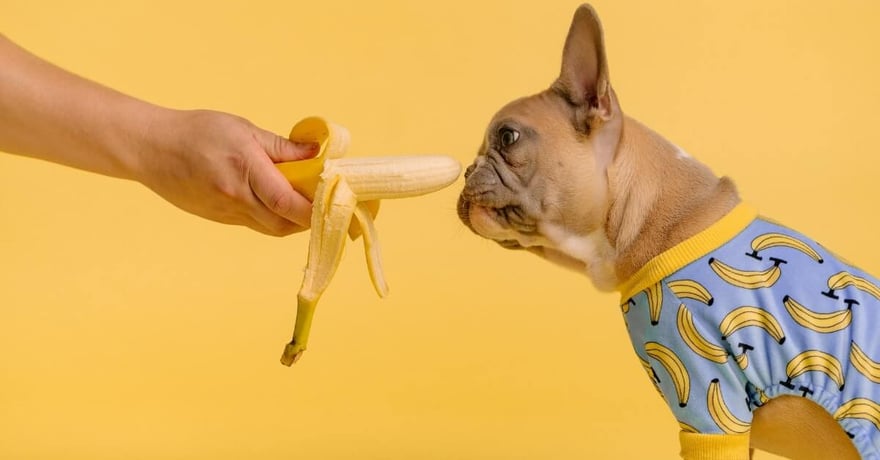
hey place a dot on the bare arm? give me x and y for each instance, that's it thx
(212, 164)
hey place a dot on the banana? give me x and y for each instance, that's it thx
(624, 307)
(747, 279)
(771, 240)
(721, 414)
(751, 316)
(844, 279)
(655, 302)
(861, 408)
(345, 194)
(825, 323)
(815, 360)
(690, 289)
(674, 367)
(692, 337)
(865, 365)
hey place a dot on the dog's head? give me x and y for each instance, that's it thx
(539, 181)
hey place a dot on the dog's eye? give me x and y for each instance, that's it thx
(508, 136)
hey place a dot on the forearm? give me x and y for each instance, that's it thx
(49, 113)
(212, 164)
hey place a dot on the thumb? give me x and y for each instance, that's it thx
(280, 149)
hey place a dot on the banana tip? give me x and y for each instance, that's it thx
(291, 355)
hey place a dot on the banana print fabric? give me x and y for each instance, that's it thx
(749, 310)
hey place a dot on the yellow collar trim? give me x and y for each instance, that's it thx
(689, 250)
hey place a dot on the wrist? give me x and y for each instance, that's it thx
(150, 135)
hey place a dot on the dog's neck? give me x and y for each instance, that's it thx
(660, 197)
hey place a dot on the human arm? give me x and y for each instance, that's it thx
(212, 164)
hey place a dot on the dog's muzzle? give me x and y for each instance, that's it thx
(485, 188)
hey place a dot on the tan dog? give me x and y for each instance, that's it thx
(566, 175)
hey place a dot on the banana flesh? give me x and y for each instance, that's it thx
(346, 194)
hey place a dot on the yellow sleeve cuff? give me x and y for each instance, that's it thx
(697, 446)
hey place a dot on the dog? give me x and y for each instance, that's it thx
(756, 336)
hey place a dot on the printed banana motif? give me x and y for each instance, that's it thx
(845, 279)
(747, 279)
(772, 240)
(860, 408)
(755, 396)
(746, 316)
(864, 364)
(681, 380)
(695, 341)
(721, 414)
(345, 193)
(624, 307)
(825, 323)
(762, 397)
(743, 360)
(655, 302)
(690, 289)
(815, 361)
(687, 428)
(651, 374)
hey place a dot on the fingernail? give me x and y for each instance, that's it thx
(307, 145)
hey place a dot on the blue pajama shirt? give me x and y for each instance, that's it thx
(749, 310)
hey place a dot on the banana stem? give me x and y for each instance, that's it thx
(305, 311)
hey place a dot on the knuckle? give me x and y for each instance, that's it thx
(278, 144)
(280, 203)
(226, 189)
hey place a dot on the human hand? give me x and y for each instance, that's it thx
(221, 167)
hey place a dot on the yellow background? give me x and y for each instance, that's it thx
(131, 330)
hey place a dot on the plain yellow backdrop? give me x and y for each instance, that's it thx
(131, 330)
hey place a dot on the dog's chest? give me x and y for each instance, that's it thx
(593, 250)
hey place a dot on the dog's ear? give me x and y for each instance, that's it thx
(584, 77)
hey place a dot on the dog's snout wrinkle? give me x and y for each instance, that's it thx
(470, 169)
(483, 187)
(482, 176)
(517, 219)
(481, 195)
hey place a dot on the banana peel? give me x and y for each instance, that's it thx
(345, 194)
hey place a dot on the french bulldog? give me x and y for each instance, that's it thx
(756, 336)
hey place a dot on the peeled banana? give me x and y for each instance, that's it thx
(345, 194)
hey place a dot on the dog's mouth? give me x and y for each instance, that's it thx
(496, 224)
(510, 244)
